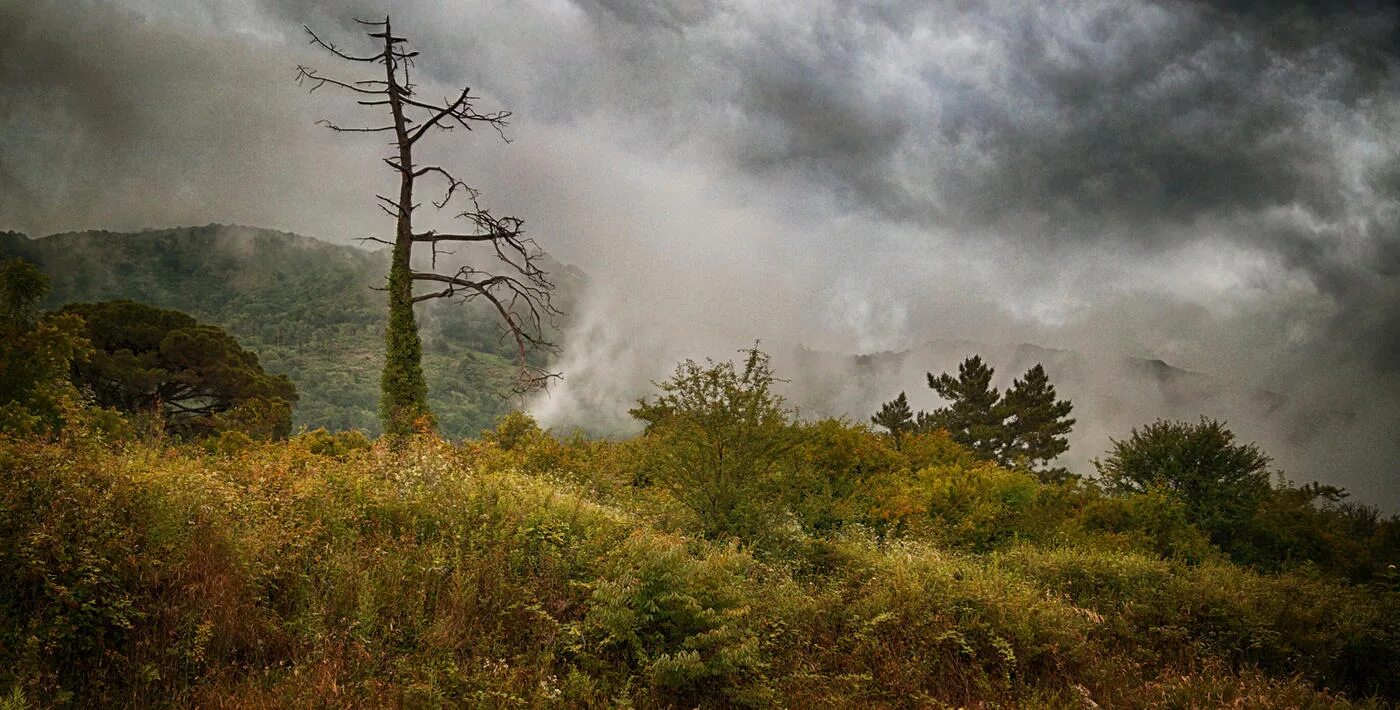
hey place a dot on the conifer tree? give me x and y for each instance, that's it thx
(1037, 425)
(1027, 426)
(895, 416)
(973, 415)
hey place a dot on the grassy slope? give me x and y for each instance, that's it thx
(304, 306)
(526, 572)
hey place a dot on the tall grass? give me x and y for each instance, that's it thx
(523, 571)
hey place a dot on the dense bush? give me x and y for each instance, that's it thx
(520, 570)
(1224, 489)
(718, 437)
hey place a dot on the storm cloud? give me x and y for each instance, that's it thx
(1213, 184)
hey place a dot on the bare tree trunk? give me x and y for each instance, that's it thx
(519, 291)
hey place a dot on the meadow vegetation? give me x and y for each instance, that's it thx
(519, 569)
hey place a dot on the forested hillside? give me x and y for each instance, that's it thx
(305, 306)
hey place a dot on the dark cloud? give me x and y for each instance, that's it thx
(116, 121)
(672, 15)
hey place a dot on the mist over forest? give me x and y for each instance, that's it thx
(696, 322)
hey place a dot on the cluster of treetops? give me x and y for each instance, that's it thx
(134, 367)
(141, 365)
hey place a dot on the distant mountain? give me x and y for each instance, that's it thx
(305, 306)
(1111, 393)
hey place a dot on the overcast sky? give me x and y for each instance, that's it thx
(1214, 184)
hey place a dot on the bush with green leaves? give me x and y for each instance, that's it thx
(525, 570)
(832, 471)
(718, 437)
(429, 574)
(1220, 481)
(1226, 491)
(36, 393)
(1154, 521)
(678, 624)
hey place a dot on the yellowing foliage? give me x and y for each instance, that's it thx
(520, 570)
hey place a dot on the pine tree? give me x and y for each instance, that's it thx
(973, 416)
(1037, 425)
(895, 416)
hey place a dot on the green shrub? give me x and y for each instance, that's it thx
(338, 445)
(1154, 521)
(716, 439)
(830, 473)
(678, 623)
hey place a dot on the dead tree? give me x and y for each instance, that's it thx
(517, 289)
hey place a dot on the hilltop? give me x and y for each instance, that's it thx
(305, 306)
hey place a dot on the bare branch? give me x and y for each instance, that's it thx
(305, 74)
(352, 129)
(516, 328)
(521, 297)
(462, 114)
(332, 48)
(451, 109)
(433, 236)
(430, 296)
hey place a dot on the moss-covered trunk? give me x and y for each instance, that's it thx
(403, 401)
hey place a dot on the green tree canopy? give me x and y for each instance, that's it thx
(719, 437)
(1222, 482)
(1026, 427)
(895, 416)
(37, 353)
(152, 360)
(1037, 425)
(22, 286)
(973, 415)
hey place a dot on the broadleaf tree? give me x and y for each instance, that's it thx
(517, 288)
(1221, 482)
(37, 354)
(720, 438)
